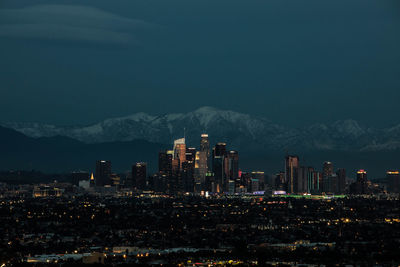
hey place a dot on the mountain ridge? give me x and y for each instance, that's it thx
(239, 129)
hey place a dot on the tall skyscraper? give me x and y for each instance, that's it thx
(327, 172)
(180, 152)
(232, 165)
(202, 159)
(165, 162)
(218, 160)
(291, 172)
(361, 185)
(139, 175)
(301, 183)
(103, 172)
(205, 144)
(393, 178)
(341, 174)
(187, 173)
(219, 150)
(327, 169)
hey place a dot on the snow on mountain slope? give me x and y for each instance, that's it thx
(241, 131)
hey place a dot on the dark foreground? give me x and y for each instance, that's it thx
(199, 231)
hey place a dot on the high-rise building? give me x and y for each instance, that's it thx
(205, 144)
(327, 169)
(139, 175)
(202, 165)
(218, 162)
(188, 169)
(291, 172)
(165, 162)
(301, 183)
(260, 176)
(180, 152)
(103, 172)
(280, 182)
(219, 150)
(393, 179)
(341, 174)
(361, 184)
(232, 165)
(362, 176)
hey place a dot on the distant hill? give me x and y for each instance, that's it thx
(62, 154)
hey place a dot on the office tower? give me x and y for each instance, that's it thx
(301, 183)
(308, 185)
(255, 185)
(103, 172)
(139, 175)
(261, 178)
(218, 160)
(219, 150)
(331, 184)
(291, 172)
(361, 184)
(341, 174)
(393, 179)
(280, 183)
(115, 179)
(205, 144)
(232, 165)
(202, 165)
(188, 168)
(180, 151)
(327, 169)
(314, 179)
(362, 176)
(165, 162)
(160, 182)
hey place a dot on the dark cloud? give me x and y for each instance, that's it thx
(69, 22)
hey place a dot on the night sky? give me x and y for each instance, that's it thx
(294, 62)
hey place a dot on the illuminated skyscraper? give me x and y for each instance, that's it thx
(139, 175)
(205, 144)
(180, 151)
(291, 172)
(103, 172)
(202, 165)
(218, 160)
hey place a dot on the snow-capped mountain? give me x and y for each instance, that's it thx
(241, 131)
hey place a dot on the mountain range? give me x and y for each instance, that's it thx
(241, 131)
(262, 143)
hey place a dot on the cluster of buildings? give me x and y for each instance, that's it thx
(185, 169)
(206, 170)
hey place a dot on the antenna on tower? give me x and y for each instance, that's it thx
(184, 133)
